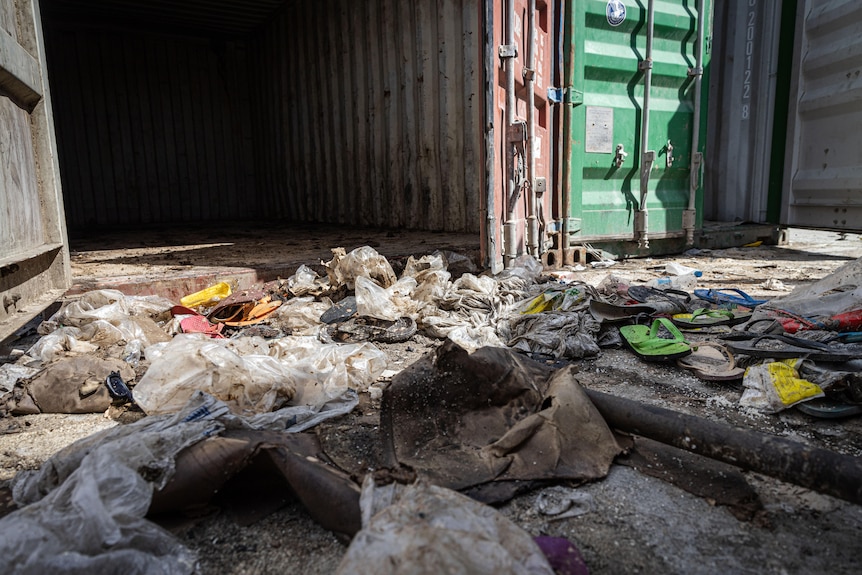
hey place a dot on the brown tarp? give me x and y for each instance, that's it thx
(462, 420)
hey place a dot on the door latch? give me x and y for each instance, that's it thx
(620, 156)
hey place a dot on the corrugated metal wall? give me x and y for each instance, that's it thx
(362, 113)
(823, 183)
(369, 113)
(151, 129)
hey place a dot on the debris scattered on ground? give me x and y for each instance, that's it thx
(417, 381)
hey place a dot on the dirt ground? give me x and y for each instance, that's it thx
(639, 518)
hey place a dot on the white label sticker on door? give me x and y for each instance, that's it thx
(600, 130)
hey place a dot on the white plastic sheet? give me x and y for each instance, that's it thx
(254, 375)
(419, 529)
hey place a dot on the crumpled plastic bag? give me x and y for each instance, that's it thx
(101, 319)
(107, 305)
(189, 363)
(774, 386)
(837, 293)
(431, 275)
(343, 269)
(301, 315)
(64, 339)
(421, 528)
(330, 368)
(306, 281)
(254, 375)
(390, 303)
(472, 338)
(85, 506)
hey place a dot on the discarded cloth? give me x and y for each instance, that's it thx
(462, 419)
(562, 334)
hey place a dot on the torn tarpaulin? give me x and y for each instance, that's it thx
(461, 420)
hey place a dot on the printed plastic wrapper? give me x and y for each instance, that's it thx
(775, 386)
(253, 375)
(421, 528)
(344, 268)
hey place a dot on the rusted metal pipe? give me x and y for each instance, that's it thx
(818, 469)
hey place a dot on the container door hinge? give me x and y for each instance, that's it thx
(697, 162)
(508, 51)
(567, 95)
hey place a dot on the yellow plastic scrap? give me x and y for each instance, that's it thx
(553, 300)
(207, 296)
(790, 388)
(753, 244)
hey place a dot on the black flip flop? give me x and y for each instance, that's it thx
(778, 346)
(826, 408)
(342, 311)
(650, 295)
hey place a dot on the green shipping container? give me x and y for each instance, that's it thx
(610, 86)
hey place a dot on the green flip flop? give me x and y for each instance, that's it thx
(649, 345)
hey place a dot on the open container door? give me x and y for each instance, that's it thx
(34, 257)
(637, 122)
(823, 180)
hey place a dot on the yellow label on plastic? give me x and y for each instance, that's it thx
(787, 384)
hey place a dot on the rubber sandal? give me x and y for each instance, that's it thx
(611, 313)
(705, 317)
(711, 362)
(826, 408)
(648, 345)
(361, 328)
(721, 297)
(342, 311)
(646, 294)
(778, 346)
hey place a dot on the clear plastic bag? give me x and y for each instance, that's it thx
(306, 281)
(343, 269)
(387, 303)
(254, 375)
(423, 528)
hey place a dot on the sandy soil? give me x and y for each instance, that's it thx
(637, 523)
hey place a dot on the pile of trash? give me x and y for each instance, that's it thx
(801, 349)
(225, 380)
